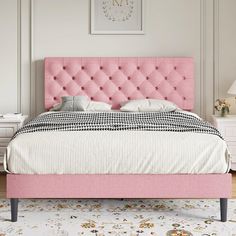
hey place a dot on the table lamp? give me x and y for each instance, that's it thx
(232, 89)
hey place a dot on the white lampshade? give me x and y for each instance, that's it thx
(232, 89)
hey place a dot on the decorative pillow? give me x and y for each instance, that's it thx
(71, 103)
(80, 103)
(148, 105)
(97, 106)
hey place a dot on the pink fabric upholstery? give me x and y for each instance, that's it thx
(115, 80)
(119, 186)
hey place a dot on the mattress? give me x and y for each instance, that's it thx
(117, 152)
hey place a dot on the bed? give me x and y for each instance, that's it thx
(115, 163)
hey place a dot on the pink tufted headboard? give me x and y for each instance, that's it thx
(114, 80)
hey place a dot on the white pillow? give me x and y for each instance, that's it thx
(148, 105)
(96, 106)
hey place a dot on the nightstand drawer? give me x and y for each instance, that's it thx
(4, 142)
(232, 149)
(2, 151)
(230, 131)
(1, 159)
(233, 158)
(7, 132)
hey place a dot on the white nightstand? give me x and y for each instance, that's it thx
(227, 127)
(7, 128)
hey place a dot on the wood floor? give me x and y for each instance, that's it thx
(3, 185)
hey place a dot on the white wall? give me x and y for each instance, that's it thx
(227, 48)
(203, 29)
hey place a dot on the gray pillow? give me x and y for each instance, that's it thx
(71, 103)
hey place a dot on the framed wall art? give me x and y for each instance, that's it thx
(117, 16)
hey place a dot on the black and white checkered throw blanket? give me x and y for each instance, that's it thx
(152, 121)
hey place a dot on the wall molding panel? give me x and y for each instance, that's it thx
(33, 103)
(19, 65)
(25, 59)
(203, 58)
(208, 60)
(216, 28)
(9, 74)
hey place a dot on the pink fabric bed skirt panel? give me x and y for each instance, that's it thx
(119, 186)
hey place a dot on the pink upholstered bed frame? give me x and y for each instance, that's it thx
(114, 80)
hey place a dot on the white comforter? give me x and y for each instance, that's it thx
(116, 152)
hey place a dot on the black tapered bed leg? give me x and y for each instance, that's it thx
(223, 209)
(14, 209)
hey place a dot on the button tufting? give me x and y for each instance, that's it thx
(91, 98)
(142, 85)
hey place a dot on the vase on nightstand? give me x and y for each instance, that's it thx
(222, 106)
(224, 111)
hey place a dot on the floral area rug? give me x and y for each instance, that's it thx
(117, 218)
